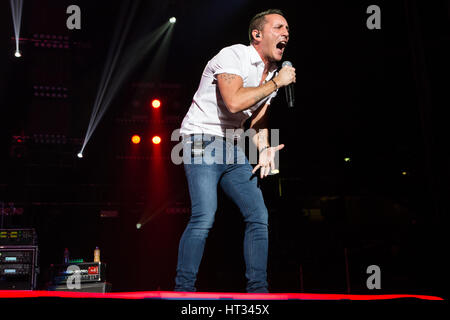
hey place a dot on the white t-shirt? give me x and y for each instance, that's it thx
(208, 112)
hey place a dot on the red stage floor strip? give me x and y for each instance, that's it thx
(170, 295)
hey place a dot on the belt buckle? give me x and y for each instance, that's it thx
(198, 148)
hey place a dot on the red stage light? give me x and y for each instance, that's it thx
(135, 139)
(156, 140)
(156, 103)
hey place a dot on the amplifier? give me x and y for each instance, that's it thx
(15, 269)
(18, 237)
(16, 283)
(86, 271)
(18, 267)
(16, 256)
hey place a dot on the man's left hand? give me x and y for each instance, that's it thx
(267, 161)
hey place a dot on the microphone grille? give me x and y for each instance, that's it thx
(287, 63)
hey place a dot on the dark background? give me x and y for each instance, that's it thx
(375, 96)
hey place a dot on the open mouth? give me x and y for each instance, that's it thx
(281, 45)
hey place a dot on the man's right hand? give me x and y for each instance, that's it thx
(285, 77)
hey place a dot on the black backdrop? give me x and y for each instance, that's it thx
(375, 96)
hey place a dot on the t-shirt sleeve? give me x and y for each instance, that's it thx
(228, 60)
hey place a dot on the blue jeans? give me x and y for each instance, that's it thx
(240, 185)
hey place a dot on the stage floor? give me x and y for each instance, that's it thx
(219, 305)
(171, 295)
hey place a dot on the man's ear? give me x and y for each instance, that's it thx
(256, 34)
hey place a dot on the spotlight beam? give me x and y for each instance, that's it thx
(126, 68)
(16, 10)
(111, 61)
(135, 54)
(160, 59)
(113, 76)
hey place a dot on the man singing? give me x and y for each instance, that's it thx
(237, 84)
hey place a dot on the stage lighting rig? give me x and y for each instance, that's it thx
(156, 140)
(156, 103)
(136, 139)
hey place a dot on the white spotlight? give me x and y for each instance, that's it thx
(80, 155)
(138, 226)
(17, 54)
(173, 20)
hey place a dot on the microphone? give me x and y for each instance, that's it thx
(289, 89)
